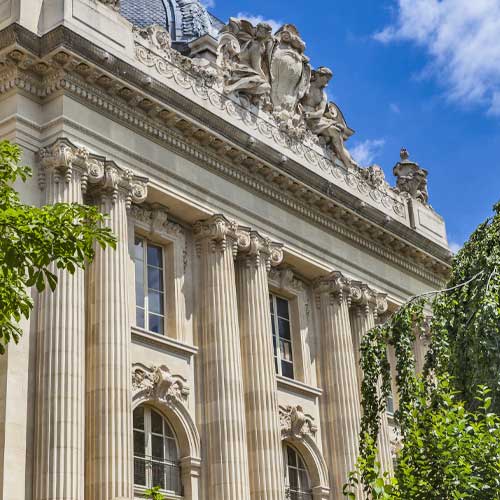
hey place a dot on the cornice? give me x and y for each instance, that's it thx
(314, 198)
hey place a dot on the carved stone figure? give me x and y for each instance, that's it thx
(244, 57)
(411, 179)
(158, 383)
(294, 422)
(374, 175)
(325, 119)
(290, 74)
(115, 4)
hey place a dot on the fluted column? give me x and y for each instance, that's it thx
(226, 441)
(259, 377)
(340, 400)
(59, 426)
(109, 446)
(367, 305)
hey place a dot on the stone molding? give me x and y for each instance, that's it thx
(306, 202)
(157, 383)
(294, 422)
(285, 278)
(99, 177)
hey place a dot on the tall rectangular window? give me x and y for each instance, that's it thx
(149, 286)
(282, 335)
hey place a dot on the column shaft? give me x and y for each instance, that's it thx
(226, 441)
(109, 404)
(261, 400)
(341, 412)
(59, 425)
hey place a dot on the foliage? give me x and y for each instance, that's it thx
(447, 418)
(154, 494)
(34, 241)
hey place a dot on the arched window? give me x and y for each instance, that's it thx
(156, 456)
(298, 484)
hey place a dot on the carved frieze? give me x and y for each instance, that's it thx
(286, 279)
(295, 423)
(154, 219)
(158, 383)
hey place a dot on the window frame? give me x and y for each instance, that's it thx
(305, 494)
(146, 243)
(278, 357)
(148, 457)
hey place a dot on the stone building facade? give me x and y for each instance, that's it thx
(215, 353)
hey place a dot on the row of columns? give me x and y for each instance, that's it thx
(92, 372)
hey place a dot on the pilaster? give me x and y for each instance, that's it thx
(257, 254)
(109, 447)
(59, 421)
(340, 401)
(226, 441)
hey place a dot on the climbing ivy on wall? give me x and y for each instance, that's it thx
(448, 416)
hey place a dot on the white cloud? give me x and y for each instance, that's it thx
(209, 4)
(365, 152)
(461, 38)
(275, 25)
(455, 247)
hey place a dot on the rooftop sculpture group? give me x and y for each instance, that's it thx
(273, 73)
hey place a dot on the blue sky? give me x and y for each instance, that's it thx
(424, 74)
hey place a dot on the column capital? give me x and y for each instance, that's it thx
(220, 232)
(336, 286)
(254, 248)
(62, 159)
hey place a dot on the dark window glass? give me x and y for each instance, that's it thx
(139, 418)
(155, 256)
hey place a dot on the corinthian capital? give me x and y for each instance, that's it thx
(221, 233)
(254, 249)
(60, 160)
(336, 286)
(363, 298)
(106, 180)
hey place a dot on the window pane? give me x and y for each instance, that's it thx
(139, 248)
(286, 350)
(271, 303)
(155, 278)
(157, 446)
(282, 307)
(155, 302)
(287, 369)
(156, 423)
(139, 283)
(139, 317)
(168, 430)
(140, 472)
(158, 471)
(284, 328)
(155, 323)
(139, 443)
(155, 256)
(304, 480)
(139, 418)
(293, 478)
(171, 450)
(291, 457)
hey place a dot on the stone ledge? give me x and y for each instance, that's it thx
(298, 387)
(163, 343)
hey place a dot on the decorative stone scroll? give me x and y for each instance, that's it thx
(157, 382)
(254, 247)
(368, 300)
(295, 423)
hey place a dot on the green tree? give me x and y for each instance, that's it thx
(32, 239)
(447, 417)
(154, 493)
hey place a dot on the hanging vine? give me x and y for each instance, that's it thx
(463, 357)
